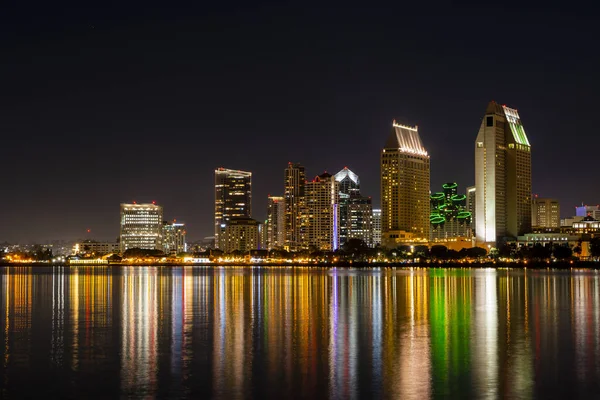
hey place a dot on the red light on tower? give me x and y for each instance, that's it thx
(89, 230)
(153, 202)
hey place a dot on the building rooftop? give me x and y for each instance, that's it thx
(406, 139)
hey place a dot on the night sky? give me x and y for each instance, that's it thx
(103, 103)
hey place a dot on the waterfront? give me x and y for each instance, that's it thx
(225, 332)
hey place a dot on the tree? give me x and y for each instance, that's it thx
(539, 252)
(595, 247)
(439, 252)
(356, 249)
(562, 252)
(476, 252)
(421, 251)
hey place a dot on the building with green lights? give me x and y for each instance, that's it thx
(449, 217)
(502, 176)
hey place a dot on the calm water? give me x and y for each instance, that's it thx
(290, 333)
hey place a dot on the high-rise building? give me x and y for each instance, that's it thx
(322, 208)
(502, 176)
(233, 197)
(355, 215)
(404, 187)
(275, 223)
(449, 217)
(174, 238)
(294, 190)
(240, 234)
(471, 206)
(141, 226)
(376, 227)
(545, 213)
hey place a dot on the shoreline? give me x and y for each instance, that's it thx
(564, 265)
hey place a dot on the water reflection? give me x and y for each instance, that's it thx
(238, 332)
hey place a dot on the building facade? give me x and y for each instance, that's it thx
(545, 213)
(275, 223)
(141, 226)
(355, 210)
(376, 226)
(502, 176)
(174, 234)
(449, 216)
(96, 248)
(471, 206)
(322, 213)
(233, 197)
(294, 192)
(404, 188)
(240, 234)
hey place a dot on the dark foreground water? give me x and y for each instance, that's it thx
(290, 333)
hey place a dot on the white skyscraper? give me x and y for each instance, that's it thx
(502, 176)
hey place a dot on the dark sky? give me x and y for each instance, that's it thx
(103, 103)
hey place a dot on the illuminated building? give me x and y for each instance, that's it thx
(322, 208)
(174, 238)
(545, 213)
(471, 206)
(588, 211)
(233, 197)
(96, 248)
(355, 211)
(404, 187)
(376, 224)
(239, 234)
(275, 224)
(449, 217)
(294, 186)
(141, 226)
(502, 176)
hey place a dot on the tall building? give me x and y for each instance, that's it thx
(141, 226)
(174, 238)
(502, 176)
(233, 197)
(275, 224)
(376, 227)
(471, 205)
(404, 187)
(449, 216)
(545, 213)
(240, 234)
(294, 190)
(355, 215)
(322, 208)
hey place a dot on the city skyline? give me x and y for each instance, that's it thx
(87, 97)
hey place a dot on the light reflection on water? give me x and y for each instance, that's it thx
(236, 332)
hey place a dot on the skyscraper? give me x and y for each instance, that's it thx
(294, 188)
(355, 215)
(404, 187)
(322, 208)
(449, 216)
(233, 197)
(174, 238)
(471, 206)
(275, 224)
(141, 226)
(376, 227)
(502, 176)
(545, 213)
